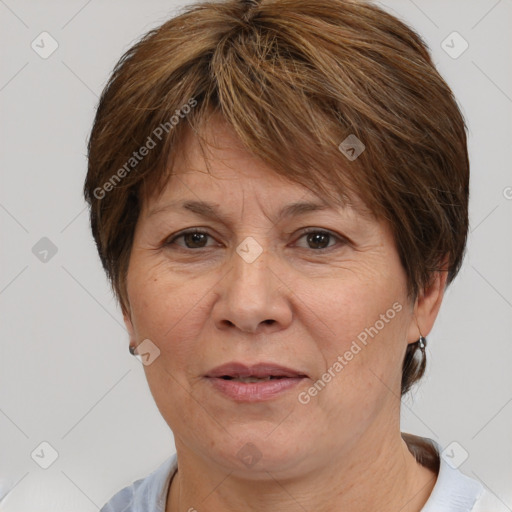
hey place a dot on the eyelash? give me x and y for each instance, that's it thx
(306, 231)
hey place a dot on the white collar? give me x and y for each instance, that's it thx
(454, 491)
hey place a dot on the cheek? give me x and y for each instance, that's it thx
(359, 328)
(170, 314)
(345, 310)
(159, 298)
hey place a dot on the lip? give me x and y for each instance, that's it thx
(235, 369)
(286, 379)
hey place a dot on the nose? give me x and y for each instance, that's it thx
(253, 297)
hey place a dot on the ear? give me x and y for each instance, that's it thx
(427, 306)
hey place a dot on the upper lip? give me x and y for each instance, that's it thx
(236, 370)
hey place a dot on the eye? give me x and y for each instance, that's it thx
(318, 239)
(193, 238)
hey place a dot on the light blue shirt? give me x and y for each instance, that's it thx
(453, 492)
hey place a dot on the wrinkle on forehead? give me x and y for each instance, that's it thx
(220, 147)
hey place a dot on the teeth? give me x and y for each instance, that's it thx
(253, 379)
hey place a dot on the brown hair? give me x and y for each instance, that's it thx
(293, 78)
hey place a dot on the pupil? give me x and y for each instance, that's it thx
(194, 238)
(316, 238)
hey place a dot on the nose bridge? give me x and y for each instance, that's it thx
(249, 296)
(252, 277)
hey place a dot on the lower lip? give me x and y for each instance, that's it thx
(254, 391)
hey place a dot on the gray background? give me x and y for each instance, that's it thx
(66, 376)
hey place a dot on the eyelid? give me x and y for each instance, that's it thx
(340, 238)
(169, 240)
(304, 231)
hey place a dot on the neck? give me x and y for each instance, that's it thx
(382, 475)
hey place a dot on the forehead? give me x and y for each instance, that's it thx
(211, 171)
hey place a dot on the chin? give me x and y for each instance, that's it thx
(253, 454)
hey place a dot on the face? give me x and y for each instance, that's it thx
(316, 297)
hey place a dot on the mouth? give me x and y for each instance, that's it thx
(252, 379)
(254, 373)
(257, 382)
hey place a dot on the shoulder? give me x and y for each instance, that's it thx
(149, 493)
(487, 502)
(453, 491)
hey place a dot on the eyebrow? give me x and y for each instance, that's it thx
(209, 210)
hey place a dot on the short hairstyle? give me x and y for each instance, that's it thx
(293, 78)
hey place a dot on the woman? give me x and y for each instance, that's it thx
(279, 195)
